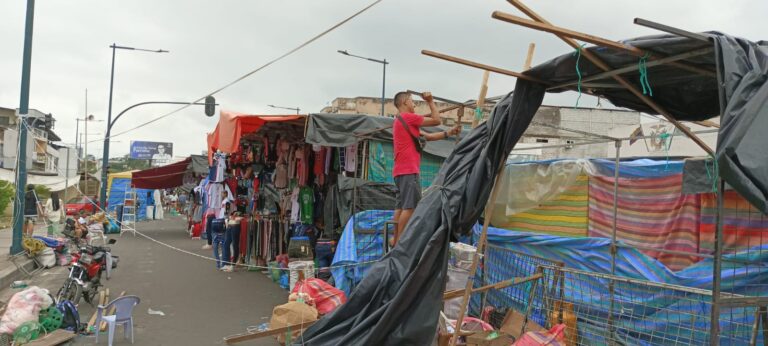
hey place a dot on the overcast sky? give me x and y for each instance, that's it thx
(214, 42)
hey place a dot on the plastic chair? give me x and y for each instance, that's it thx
(96, 233)
(123, 316)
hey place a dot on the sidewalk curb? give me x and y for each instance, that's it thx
(13, 273)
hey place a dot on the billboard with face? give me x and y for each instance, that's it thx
(159, 152)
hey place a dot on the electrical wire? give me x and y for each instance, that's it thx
(241, 78)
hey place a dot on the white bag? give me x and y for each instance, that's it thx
(47, 258)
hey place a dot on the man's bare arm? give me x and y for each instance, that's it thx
(432, 119)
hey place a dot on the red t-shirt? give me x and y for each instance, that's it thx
(407, 157)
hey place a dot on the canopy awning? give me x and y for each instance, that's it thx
(232, 126)
(164, 177)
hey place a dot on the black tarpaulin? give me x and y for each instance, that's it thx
(398, 301)
(340, 130)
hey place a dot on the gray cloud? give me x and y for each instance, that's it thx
(212, 43)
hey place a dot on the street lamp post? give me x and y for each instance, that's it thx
(105, 158)
(297, 109)
(384, 64)
(85, 120)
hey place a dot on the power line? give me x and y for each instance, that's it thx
(284, 55)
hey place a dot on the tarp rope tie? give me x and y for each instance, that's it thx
(715, 175)
(578, 73)
(643, 69)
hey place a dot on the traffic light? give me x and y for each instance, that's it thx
(210, 106)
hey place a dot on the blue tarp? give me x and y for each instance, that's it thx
(117, 196)
(644, 316)
(361, 241)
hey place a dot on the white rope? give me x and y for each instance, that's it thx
(249, 266)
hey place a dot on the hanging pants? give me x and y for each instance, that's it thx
(232, 240)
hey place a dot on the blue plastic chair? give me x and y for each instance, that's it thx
(123, 316)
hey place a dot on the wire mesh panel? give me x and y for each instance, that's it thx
(502, 264)
(602, 309)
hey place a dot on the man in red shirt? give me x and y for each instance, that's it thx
(408, 153)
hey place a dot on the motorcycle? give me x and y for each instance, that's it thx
(85, 273)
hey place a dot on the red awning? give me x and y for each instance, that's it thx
(232, 126)
(164, 177)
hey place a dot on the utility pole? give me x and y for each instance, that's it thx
(21, 169)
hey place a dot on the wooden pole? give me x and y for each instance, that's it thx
(499, 285)
(599, 41)
(478, 253)
(605, 67)
(234, 339)
(481, 66)
(529, 57)
(481, 100)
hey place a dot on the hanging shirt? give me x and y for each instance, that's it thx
(307, 199)
(295, 205)
(319, 165)
(407, 157)
(350, 158)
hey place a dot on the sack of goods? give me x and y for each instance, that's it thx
(300, 270)
(289, 314)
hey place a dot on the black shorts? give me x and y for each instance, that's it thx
(408, 191)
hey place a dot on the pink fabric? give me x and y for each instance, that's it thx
(407, 157)
(326, 297)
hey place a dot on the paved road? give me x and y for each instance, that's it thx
(201, 304)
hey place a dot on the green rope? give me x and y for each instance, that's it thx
(715, 175)
(578, 73)
(643, 69)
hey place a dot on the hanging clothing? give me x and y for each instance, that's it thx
(295, 209)
(307, 200)
(159, 213)
(319, 165)
(350, 158)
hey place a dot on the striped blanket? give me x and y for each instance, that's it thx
(743, 226)
(564, 215)
(652, 212)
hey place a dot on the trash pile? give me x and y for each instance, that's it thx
(29, 315)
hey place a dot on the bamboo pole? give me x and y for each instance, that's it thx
(602, 65)
(599, 41)
(476, 258)
(482, 66)
(529, 57)
(481, 100)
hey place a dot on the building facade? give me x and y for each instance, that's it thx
(545, 138)
(43, 157)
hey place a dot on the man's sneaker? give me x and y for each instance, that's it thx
(207, 247)
(228, 269)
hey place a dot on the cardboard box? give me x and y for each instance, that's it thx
(482, 339)
(513, 324)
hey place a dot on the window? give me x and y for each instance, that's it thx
(542, 140)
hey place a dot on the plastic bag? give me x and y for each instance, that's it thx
(24, 306)
(325, 297)
(47, 258)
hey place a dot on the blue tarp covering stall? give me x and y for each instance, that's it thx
(364, 245)
(643, 317)
(116, 197)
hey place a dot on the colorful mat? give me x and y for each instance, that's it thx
(652, 212)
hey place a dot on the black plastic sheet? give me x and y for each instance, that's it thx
(398, 301)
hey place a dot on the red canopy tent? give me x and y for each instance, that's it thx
(232, 126)
(164, 177)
